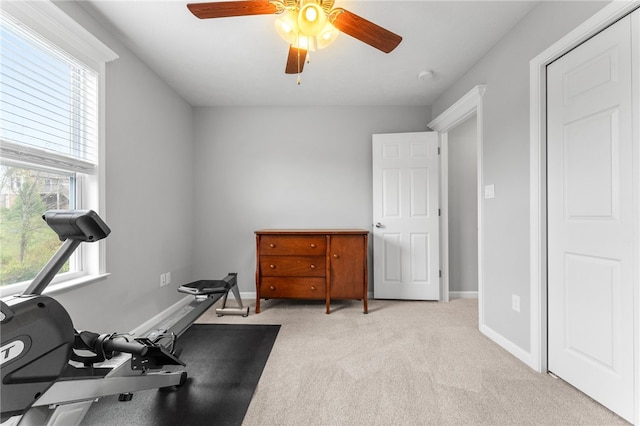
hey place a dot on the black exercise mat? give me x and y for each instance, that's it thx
(224, 364)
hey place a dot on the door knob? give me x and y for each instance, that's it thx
(378, 225)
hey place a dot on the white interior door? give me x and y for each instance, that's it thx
(591, 219)
(406, 248)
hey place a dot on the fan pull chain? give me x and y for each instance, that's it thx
(308, 60)
(299, 80)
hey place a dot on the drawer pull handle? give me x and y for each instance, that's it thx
(313, 245)
(313, 288)
(313, 266)
(272, 245)
(335, 256)
(272, 266)
(272, 288)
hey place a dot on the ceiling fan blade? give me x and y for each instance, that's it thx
(226, 9)
(365, 31)
(295, 62)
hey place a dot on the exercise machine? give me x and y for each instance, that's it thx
(209, 288)
(52, 373)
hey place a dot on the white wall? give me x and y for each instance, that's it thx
(463, 206)
(505, 71)
(282, 168)
(149, 195)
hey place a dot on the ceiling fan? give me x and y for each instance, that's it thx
(304, 24)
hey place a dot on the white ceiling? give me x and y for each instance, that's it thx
(241, 60)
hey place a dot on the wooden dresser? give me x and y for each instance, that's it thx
(312, 264)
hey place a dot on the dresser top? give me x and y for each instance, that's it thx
(310, 231)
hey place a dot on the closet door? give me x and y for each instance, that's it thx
(592, 217)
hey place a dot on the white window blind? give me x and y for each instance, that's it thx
(51, 137)
(48, 103)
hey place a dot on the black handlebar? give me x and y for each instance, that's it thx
(146, 354)
(121, 345)
(103, 346)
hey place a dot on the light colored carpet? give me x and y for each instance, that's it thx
(405, 363)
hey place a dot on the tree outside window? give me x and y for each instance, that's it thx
(26, 241)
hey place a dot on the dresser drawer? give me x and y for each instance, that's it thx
(297, 266)
(293, 245)
(290, 287)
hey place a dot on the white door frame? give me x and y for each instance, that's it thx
(538, 226)
(464, 108)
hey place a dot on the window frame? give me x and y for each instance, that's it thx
(58, 28)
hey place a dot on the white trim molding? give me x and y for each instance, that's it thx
(464, 108)
(463, 295)
(609, 14)
(459, 111)
(45, 18)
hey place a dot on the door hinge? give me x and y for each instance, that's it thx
(438, 212)
(438, 150)
(440, 273)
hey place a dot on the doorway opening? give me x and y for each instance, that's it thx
(463, 113)
(462, 206)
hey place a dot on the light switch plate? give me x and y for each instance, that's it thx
(489, 191)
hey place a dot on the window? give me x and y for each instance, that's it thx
(49, 143)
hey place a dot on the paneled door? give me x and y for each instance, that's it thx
(406, 243)
(592, 226)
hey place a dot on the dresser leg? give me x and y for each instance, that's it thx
(366, 307)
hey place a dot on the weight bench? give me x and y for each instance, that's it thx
(216, 288)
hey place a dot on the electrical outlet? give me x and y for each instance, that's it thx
(515, 303)
(163, 280)
(168, 277)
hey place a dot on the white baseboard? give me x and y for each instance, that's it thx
(509, 346)
(247, 296)
(463, 295)
(151, 323)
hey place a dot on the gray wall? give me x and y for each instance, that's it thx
(505, 71)
(463, 206)
(275, 167)
(282, 168)
(149, 195)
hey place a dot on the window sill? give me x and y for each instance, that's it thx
(60, 287)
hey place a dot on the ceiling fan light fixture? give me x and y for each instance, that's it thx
(287, 28)
(328, 34)
(305, 43)
(311, 18)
